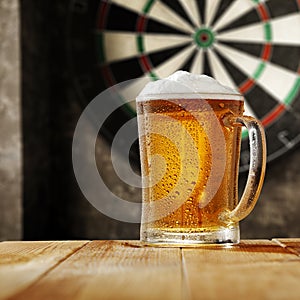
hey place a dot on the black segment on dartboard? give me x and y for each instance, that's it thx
(115, 120)
(154, 26)
(120, 19)
(188, 64)
(277, 8)
(246, 19)
(281, 54)
(252, 49)
(158, 58)
(201, 8)
(109, 129)
(224, 5)
(280, 133)
(206, 65)
(295, 106)
(260, 101)
(126, 69)
(177, 7)
(237, 75)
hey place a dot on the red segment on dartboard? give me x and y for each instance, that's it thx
(145, 63)
(141, 24)
(263, 12)
(273, 114)
(103, 13)
(266, 53)
(246, 85)
(106, 73)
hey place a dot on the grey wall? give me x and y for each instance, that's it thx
(10, 128)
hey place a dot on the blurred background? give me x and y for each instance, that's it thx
(56, 56)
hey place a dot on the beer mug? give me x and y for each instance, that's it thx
(190, 136)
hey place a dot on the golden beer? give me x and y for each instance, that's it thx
(189, 158)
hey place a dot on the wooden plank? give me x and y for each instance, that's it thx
(22, 263)
(292, 245)
(113, 270)
(251, 270)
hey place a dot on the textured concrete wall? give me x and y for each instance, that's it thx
(10, 136)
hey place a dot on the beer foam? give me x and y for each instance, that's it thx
(185, 85)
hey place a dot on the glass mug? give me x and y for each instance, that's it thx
(189, 150)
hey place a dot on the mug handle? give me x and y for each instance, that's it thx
(257, 168)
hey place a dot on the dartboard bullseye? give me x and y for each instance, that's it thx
(250, 45)
(204, 37)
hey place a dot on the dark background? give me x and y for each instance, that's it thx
(53, 205)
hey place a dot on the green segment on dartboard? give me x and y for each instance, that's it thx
(268, 32)
(100, 48)
(259, 70)
(293, 93)
(148, 6)
(140, 44)
(204, 37)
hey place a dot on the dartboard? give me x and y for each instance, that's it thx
(250, 45)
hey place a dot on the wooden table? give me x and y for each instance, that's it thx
(255, 269)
